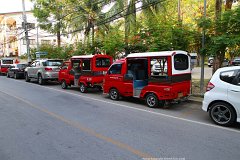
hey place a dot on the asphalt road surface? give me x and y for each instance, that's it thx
(49, 123)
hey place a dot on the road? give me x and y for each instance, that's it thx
(49, 123)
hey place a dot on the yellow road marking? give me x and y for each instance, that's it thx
(84, 129)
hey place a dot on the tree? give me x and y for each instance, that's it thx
(49, 14)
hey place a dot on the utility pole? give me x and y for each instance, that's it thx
(26, 31)
(202, 55)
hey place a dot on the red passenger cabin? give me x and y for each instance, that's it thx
(157, 77)
(4, 64)
(85, 71)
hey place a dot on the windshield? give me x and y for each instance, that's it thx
(7, 61)
(21, 66)
(53, 63)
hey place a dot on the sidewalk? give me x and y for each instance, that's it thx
(195, 99)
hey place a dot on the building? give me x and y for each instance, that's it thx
(12, 35)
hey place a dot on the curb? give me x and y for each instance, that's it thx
(195, 99)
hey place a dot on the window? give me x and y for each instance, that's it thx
(32, 41)
(7, 61)
(86, 64)
(24, 42)
(45, 41)
(21, 66)
(53, 63)
(181, 62)
(229, 76)
(65, 65)
(103, 62)
(33, 64)
(159, 67)
(115, 69)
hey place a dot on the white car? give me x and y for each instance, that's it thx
(222, 99)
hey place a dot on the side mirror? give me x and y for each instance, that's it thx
(128, 77)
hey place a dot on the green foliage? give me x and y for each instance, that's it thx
(53, 52)
(228, 31)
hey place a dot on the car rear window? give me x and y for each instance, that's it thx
(21, 66)
(53, 63)
(181, 62)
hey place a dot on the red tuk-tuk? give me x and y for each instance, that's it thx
(4, 64)
(86, 71)
(156, 77)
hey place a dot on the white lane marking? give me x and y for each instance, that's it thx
(139, 109)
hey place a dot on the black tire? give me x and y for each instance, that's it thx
(222, 114)
(64, 84)
(82, 88)
(15, 75)
(152, 100)
(114, 94)
(27, 79)
(8, 76)
(41, 81)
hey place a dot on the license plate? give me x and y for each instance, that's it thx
(180, 94)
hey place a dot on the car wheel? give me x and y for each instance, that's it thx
(26, 77)
(114, 94)
(83, 88)
(8, 76)
(40, 80)
(222, 114)
(152, 100)
(15, 75)
(64, 84)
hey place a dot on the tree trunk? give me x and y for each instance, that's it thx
(217, 59)
(228, 5)
(58, 38)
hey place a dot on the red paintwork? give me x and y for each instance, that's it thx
(88, 79)
(4, 67)
(163, 90)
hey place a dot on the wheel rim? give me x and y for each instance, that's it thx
(151, 101)
(114, 94)
(63, 84)
(40, 80)
(221, 114)
(82, 88)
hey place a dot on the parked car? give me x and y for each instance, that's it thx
(224, 64)
(158, 68)
(16, 70)
(236, 61)
(193, 59)
(222, 97)
(43, 70)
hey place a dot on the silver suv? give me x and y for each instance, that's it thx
(43, 70)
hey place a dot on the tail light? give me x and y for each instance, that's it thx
(210, 86)
(48, 69)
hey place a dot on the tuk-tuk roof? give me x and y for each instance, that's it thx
(7, 59)
(89, 56)
(155, 54)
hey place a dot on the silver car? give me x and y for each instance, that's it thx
(43, 70)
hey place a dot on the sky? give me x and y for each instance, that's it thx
(7, 6)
